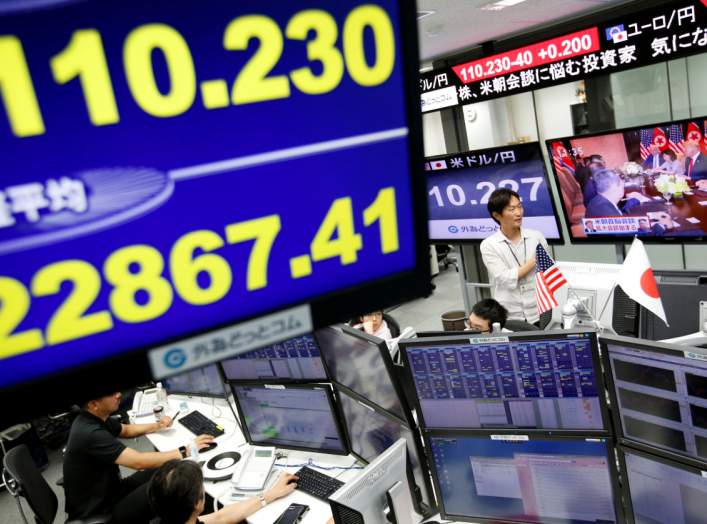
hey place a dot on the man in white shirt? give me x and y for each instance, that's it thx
(509, 257)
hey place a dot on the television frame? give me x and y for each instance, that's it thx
(649, 345)
(392, 369)
(219, 370)
(419, 448)
(616, 239)
(534, 435)
(666, 458)
(526, 335)
(476, 241)
(278, 380)
(332, 406)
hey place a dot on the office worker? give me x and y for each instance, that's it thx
(374, 324)
(509, 256)
(610, 190)
(92, 481)
(176, 492)
(485, 314)
(695, 164)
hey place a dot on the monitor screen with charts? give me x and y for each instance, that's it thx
(202, 382)
(296, 359)
(363, 364)
(662, 491)
(521, 478)
(372, 431)
(661, 394)
(544, 381)
(297, 417)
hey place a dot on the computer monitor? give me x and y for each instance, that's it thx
(291, 417)
(370, 495)
(659, 394)
(681, 293)
(202, 382)
(539, 380)
(294, 360)
(523, 478)
(432, 334)
(591, 295)
(363, 364)
(662, 491)
(371, 431)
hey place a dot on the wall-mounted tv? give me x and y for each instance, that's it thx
(649, 181)
(459, 187)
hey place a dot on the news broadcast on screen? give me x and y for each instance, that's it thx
(649, 181)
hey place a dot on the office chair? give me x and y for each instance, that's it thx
(23, 479)
(393, 325)
(520, 325)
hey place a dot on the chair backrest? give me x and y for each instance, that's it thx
(19, 465)
(393, 325)
(520, 325)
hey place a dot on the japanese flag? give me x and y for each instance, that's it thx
(438, 164)
(637, 280)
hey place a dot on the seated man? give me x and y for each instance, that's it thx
(176, 492)
(485, 314)
(92, 480)
(610, 190)
(374, 324)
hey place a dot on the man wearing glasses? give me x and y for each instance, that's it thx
(509, 257)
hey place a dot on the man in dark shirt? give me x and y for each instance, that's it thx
(92, 481)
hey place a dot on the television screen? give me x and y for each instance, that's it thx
(660, 394)
(649, 181)
(459, 187)
(296, 359)
(662, 491)
(204, 381)
(546, 381)
(523, 478)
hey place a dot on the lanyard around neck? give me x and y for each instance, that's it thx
(525, 254)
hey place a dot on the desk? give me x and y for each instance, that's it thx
(233, 440)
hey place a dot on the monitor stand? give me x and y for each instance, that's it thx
(400, 505)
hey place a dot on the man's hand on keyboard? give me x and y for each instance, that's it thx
(285, 485)
(202, 441)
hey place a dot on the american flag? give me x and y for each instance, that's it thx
(675, 139)
(548, 279)
(646, 140)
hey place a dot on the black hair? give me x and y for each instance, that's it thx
(175, 490)
(491, 310)
(671, 154)
(498, 201)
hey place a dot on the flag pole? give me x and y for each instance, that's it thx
(611, 295)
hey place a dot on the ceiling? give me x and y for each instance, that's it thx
(456, 25)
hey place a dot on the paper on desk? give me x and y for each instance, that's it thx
(702, 202)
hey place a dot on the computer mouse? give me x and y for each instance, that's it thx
(208, 447)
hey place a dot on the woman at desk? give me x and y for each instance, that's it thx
(670, 165)
(177, 495)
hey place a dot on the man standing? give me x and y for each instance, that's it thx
(92, 480)
(509, 257)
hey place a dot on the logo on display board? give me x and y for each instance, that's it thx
(616, 34)
(453, 229)
(175, 358)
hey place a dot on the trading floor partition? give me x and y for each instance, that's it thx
(539, 381)
(512, 477)
(660, 487)
(659, 394)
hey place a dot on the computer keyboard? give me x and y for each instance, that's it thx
(199, 424)
(317, 484)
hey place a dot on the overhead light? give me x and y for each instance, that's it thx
(500, 4)
(424, 14)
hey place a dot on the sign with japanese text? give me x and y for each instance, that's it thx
(459, 187)
(175, 167)
(671, 31)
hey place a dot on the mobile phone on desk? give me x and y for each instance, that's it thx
(293, 514)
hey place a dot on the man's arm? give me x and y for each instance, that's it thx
(139, 460)
(138, 430)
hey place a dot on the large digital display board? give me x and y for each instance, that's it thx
(634, 39)
(171, 167)
(459, 187)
